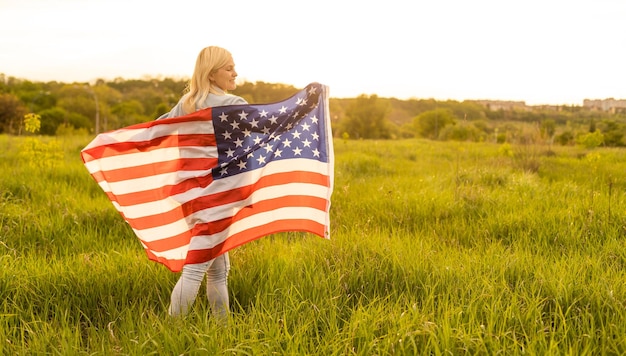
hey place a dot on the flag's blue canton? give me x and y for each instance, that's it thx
(250, 136)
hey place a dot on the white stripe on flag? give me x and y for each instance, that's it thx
(219, 186)
(224, 211)
(287, 213)
(156, 156)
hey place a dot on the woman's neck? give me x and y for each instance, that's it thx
(216, 90)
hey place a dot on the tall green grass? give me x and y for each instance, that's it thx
(437, 248)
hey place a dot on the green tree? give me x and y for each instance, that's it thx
(591, 140)
(613, 133)
(80, 99)
(462, 132)
(263, 93)
(161, 109)
(129, 113)
(548, 129)
(149, 98)
(366, 118)
(430, 123)
(51, 119)
(565, 138)
(592, 125)
(12, 111)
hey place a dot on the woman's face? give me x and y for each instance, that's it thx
(224, 78)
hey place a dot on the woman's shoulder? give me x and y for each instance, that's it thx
(226, 99)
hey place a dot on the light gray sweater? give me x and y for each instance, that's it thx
(212, 100)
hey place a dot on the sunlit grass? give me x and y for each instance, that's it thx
(435, 248)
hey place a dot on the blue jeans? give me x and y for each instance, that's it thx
(186, 289)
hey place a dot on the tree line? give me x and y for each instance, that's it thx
(90, 108)
(105, 105)
(372, 117)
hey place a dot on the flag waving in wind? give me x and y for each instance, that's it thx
(195, 186)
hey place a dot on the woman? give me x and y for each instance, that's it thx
(213, 76)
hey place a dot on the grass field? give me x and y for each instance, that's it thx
(437, 248)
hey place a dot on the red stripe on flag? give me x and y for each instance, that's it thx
(218, 226)
(172, 265)
(129, 147)
(150, 169)
(164, 192)
(222, 198)
(253, 233)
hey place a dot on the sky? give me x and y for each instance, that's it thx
(556, 52)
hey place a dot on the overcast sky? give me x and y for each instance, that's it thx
(538, 51)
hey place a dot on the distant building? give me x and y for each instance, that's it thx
(548, 107)
(496, 105)
(610, 105)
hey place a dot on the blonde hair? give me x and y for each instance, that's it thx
(209, 60)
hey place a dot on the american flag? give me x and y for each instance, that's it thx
(196, 186)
